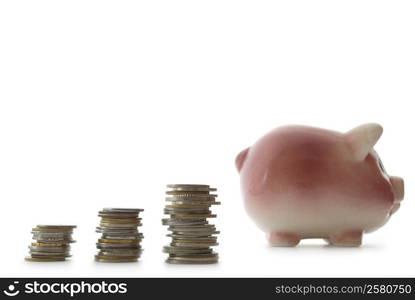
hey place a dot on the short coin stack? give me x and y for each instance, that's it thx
(52, 243)
(120, 239)
(192, 235)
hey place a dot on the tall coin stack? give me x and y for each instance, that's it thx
(52, 243)
(120, 239)
(192, 235)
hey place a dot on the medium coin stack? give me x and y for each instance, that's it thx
(52, 243)
(120, 239)
(192, 235)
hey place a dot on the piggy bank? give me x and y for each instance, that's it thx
(301, 182)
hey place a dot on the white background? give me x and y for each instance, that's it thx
(102, 103)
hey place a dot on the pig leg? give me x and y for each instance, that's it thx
(346, 239)
(283, 239)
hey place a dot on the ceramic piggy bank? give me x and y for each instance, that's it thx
(302, 182)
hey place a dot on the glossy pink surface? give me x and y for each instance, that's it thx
(302, 182)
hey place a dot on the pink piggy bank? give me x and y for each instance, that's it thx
(302, 182)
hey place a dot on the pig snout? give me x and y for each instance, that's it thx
(398, 190)
(398, 187)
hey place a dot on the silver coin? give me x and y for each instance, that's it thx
(189, 197)
(190, 236)
(116, 231)
(188, 208)
(49, 249)
(192, 256)
(52, 238)
(47, 235)
(137, 237)
(183, 195)
(185, 222)
(195, 232)
(121, 252)
(55, 234)
(190, 187)
(191, 229)
(194, 203)
(120, 219)
(118, 245)
(180, 211)
(191, 216)
(207, 239)
(116, 220)
(115, 224)
(54, 241)
(119, 226)
(123, 216)
(193, 245)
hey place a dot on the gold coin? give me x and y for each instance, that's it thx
(57, 226)
(48, 245)
(45, 259)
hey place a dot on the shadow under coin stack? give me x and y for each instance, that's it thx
(52, 243)
(120, 239)
(192, 235)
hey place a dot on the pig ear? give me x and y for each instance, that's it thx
(240, 159)
(362, 139)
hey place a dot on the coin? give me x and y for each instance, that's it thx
(52, 230)
(56, 226)
(118, 245)
(183, 222)
(191, 260)
(123, 210)
(44, 259)
(186, 250)
(190, 187)
(115, 230)
(138, 236)
(120, 239)
(45, 254)
(117, 259)
(188, 207)
(120, 252)
(49, 249)
(48, 245)
(120, 221)
(52, 243)
(192, 216)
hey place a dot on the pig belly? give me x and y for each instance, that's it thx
(317, 218)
